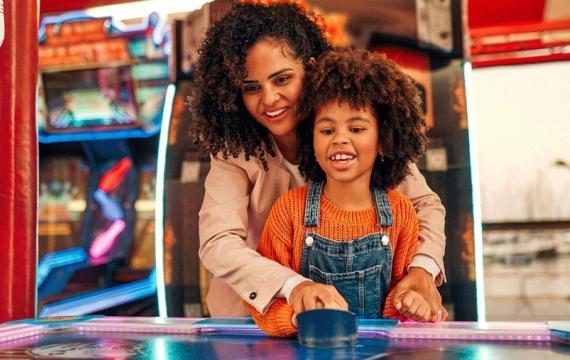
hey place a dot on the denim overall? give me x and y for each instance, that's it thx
(360, 269)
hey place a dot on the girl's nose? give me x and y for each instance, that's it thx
(341, 139)
(270, 97)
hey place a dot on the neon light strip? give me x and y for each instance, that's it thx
(46, 138)
(105, 240)
(102, 299)
(110, 207)
(59, 259)
(140, 9)
(159, 201)
(476, 194)
(113, 177)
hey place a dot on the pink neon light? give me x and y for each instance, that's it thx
(112, 178)
(105, 240)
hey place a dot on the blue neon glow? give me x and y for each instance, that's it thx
(102, 299)
(476, 194)
(58, 259)
(46, 138)
(159, 201)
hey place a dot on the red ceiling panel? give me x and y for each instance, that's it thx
(482, 13)
(59, 6)
(487, 13)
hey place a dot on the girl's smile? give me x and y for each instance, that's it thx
(342, 160)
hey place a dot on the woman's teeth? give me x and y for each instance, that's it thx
(275, 113)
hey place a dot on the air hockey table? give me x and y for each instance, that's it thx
(98, 337)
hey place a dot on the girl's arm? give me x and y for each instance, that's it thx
(223, 232)
(431, 219)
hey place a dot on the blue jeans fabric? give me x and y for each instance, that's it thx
(360, 269)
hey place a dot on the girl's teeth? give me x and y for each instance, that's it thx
(275, 113)
(340, 157)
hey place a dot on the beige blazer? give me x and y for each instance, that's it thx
(237, 200)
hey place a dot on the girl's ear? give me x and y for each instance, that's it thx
(312, 61)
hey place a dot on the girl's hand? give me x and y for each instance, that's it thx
(310, 295)
(412, 305)
(419, 282)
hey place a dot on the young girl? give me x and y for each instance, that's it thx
(349, 228)
(248, 84)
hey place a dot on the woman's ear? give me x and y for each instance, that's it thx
(381, 153)
(380, 150)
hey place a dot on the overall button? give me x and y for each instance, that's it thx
(252, 295)
(309, 241)
(385, 240)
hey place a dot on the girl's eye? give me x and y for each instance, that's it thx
(357, 130)
(249, 89)
(282, 80)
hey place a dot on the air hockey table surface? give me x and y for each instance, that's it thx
(98, 337)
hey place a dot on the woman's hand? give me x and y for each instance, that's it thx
(421, 282)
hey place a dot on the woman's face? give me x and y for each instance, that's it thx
(273, 86)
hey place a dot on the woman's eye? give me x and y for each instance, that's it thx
(326, 131)
(248, 89)
(282, 80)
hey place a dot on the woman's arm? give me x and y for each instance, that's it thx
(224, 224)
(431, 219)
(421, 276)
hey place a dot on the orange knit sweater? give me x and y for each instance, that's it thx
(283, 235)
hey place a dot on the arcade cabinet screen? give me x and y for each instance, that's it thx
(91, 98)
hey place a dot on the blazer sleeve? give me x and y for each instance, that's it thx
(276, 244)
(431, 218)
(404, 252)
(223, 227)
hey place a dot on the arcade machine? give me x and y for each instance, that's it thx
(425, 38)
(103, 92)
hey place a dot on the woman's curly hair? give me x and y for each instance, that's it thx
(221, 122)
(361, 79)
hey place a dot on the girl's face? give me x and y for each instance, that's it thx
(273, 86)
(345, 141)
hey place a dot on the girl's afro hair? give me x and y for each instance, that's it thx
(362, 79)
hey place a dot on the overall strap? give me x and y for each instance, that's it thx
(383, 210)
(313, 204)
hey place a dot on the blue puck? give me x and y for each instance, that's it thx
(327, 328)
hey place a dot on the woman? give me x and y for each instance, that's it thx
(249, 81)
